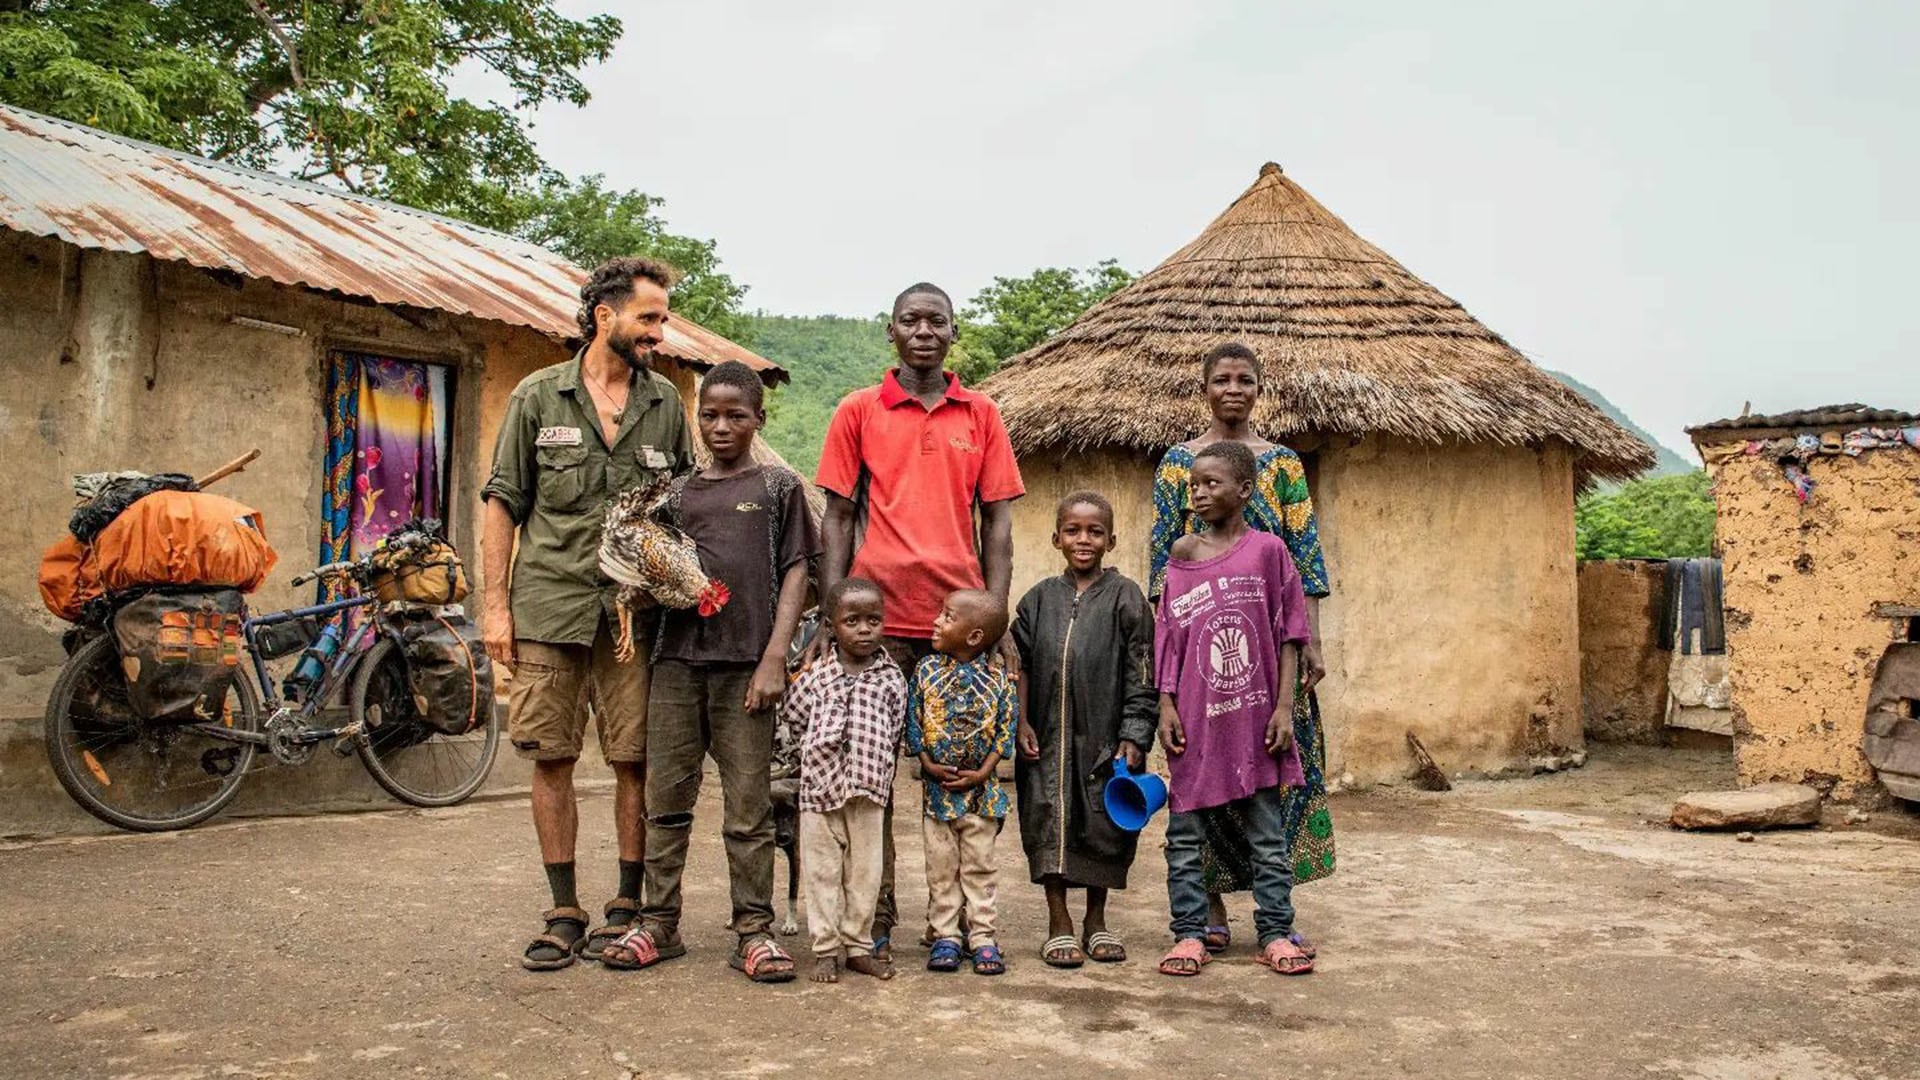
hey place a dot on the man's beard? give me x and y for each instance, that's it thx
(628, 348)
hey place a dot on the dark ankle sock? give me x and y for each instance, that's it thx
(630, 879)
(560, 880)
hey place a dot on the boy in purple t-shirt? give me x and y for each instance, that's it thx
(1231, 623)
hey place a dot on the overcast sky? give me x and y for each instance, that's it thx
(1685, 205)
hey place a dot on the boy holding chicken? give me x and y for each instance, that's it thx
(717, 677)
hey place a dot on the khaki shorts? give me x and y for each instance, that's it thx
(553, 686)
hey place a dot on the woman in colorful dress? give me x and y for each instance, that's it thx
(1280, 505)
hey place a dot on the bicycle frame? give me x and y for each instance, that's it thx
(354, 646)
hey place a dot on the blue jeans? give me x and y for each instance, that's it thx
(1264, 812)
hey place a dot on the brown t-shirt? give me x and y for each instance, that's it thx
(748, 536)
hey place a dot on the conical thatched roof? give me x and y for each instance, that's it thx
(1350, 340)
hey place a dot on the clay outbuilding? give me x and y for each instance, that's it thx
(1443, 465)
(1819, 535)
(166, 312)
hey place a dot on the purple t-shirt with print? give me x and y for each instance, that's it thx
(1216, 650)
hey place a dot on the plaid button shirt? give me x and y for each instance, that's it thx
(850, 724)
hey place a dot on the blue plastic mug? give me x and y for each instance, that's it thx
(1132, 798)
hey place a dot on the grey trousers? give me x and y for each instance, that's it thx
(697, 710)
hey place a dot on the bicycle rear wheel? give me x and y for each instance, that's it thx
(135, 773)
(415, 762)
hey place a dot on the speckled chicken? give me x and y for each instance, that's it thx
(644, 554)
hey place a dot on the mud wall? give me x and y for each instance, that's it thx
(1125, 477)
(1623, 669)
(1454, 610)
(1801, 585)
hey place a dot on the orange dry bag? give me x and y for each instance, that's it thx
(184, 538)
(68, 578)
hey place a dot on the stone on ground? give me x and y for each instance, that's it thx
(1764, 806)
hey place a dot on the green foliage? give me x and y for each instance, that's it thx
(351, 92)
(354, 93)
(826, 356)
(1665, 517)
(1013, 315)
(588, 223)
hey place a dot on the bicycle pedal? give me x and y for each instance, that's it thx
(343, 748)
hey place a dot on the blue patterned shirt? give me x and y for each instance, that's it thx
(958, 714)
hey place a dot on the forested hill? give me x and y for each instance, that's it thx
(829, 355)
(826, 356)
(1666, 462)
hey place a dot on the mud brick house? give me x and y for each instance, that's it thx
(164, 312)
(1819, 534)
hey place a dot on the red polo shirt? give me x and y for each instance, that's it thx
(923, 470)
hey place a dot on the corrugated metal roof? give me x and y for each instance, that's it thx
(96, 190)
(1826, 416)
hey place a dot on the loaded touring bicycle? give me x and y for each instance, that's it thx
(166, 701)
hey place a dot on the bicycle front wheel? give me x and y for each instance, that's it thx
(138, 774)
(415, 762)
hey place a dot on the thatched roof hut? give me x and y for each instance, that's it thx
(1443, 465)
(1352, 341)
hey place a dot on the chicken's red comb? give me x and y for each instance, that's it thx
(713, 597)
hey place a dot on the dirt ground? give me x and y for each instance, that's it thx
(1539, 928)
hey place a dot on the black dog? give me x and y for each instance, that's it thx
(786, 837)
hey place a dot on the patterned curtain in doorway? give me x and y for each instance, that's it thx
(388, 428)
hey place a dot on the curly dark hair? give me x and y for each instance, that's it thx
(739, 376)
(612, 282)
(1230, 350)
(1238, 457)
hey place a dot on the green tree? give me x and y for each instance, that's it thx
(353, 92)
(588, 223)
(1667, 517)
(826, 356)
(1013, 315)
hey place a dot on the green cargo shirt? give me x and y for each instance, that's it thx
(555, 474)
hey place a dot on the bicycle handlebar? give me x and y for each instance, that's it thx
(322, 571)
(402, 542)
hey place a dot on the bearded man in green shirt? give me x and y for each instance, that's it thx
(574, 435)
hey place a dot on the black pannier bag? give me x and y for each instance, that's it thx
(281, 639)
(180, 652)
(113, 499)
(449, 672)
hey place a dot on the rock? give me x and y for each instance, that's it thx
(1764, 806)
(1857, 816)
(1745, 838)
(1556, 761)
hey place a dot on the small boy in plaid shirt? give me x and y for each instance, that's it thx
(961, 716)
(850, 706)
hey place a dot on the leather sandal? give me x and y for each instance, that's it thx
(621, 914)
(550, 940)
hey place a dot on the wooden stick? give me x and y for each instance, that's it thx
(1429, 775)
(228, 469)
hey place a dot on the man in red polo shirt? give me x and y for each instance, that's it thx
(904, 467)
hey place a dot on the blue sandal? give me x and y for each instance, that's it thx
(944, 956)
(988, 961)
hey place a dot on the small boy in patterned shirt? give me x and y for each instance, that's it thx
(849, 707)
(961, 717)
